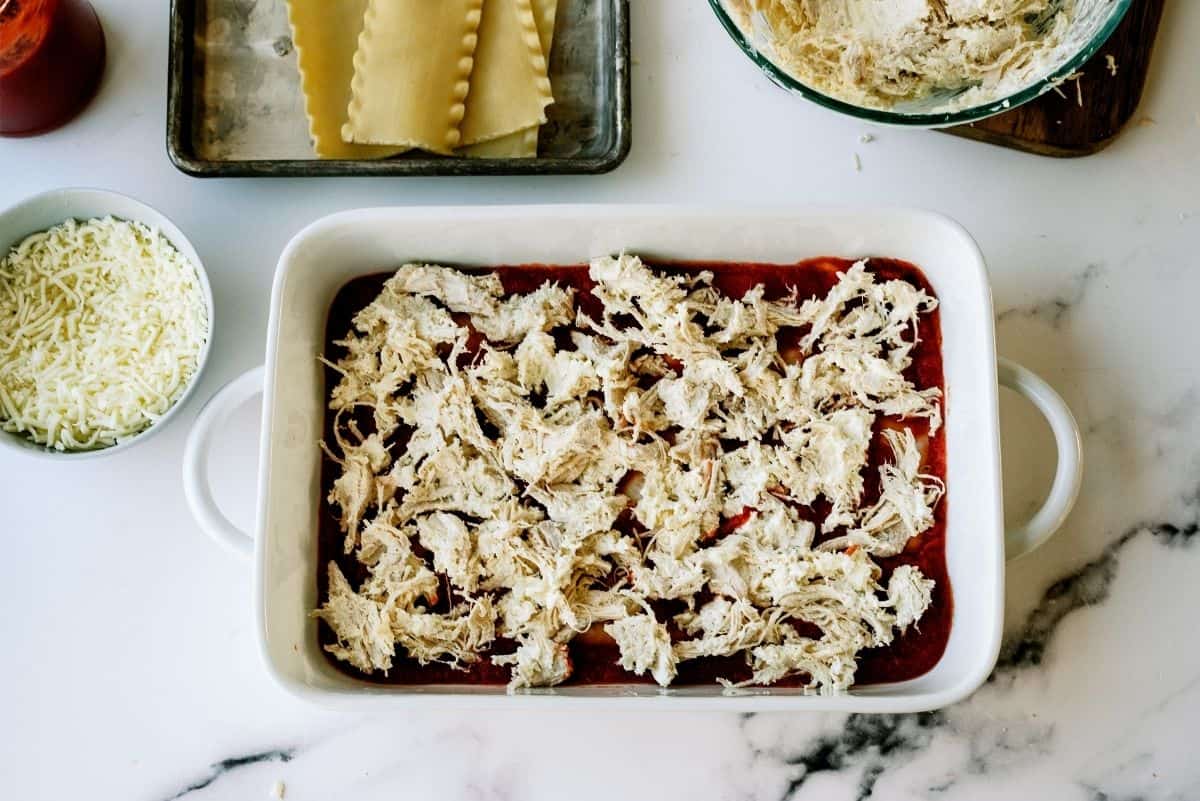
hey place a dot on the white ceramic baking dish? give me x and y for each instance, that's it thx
(331, 251)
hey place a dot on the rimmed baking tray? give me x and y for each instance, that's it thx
(234, 106)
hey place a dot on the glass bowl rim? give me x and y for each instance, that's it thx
(936, 120)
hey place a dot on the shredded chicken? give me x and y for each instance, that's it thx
(483, 491)
(645, 646)
(881, 53)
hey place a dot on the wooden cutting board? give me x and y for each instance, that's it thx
(1054, 125)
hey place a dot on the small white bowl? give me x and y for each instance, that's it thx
(56, 206)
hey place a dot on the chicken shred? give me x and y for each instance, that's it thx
(483, 502)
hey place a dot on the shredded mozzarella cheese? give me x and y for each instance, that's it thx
(101, 327)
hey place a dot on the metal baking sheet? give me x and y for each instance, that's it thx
(234, 105)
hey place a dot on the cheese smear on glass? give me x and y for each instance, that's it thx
(881, 53)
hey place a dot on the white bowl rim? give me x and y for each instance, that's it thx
(14, 442)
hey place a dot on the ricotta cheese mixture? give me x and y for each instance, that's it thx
(570, 473)
(102, 323)
(878, 53)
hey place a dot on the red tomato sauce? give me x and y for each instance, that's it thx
(593, 654)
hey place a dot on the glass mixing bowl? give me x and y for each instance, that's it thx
(1093, 22)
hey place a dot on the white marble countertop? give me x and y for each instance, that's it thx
(130, 667)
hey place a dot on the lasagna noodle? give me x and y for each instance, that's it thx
(412, 72)
(522, 144)
(325, 33)
(510, 88)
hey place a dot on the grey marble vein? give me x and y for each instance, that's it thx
(1096, 794)
(1055, 309)
(219, 769)
(871, 742)
(1089, 585)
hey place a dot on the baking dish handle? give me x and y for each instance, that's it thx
(1020, 540)
(196, 488)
